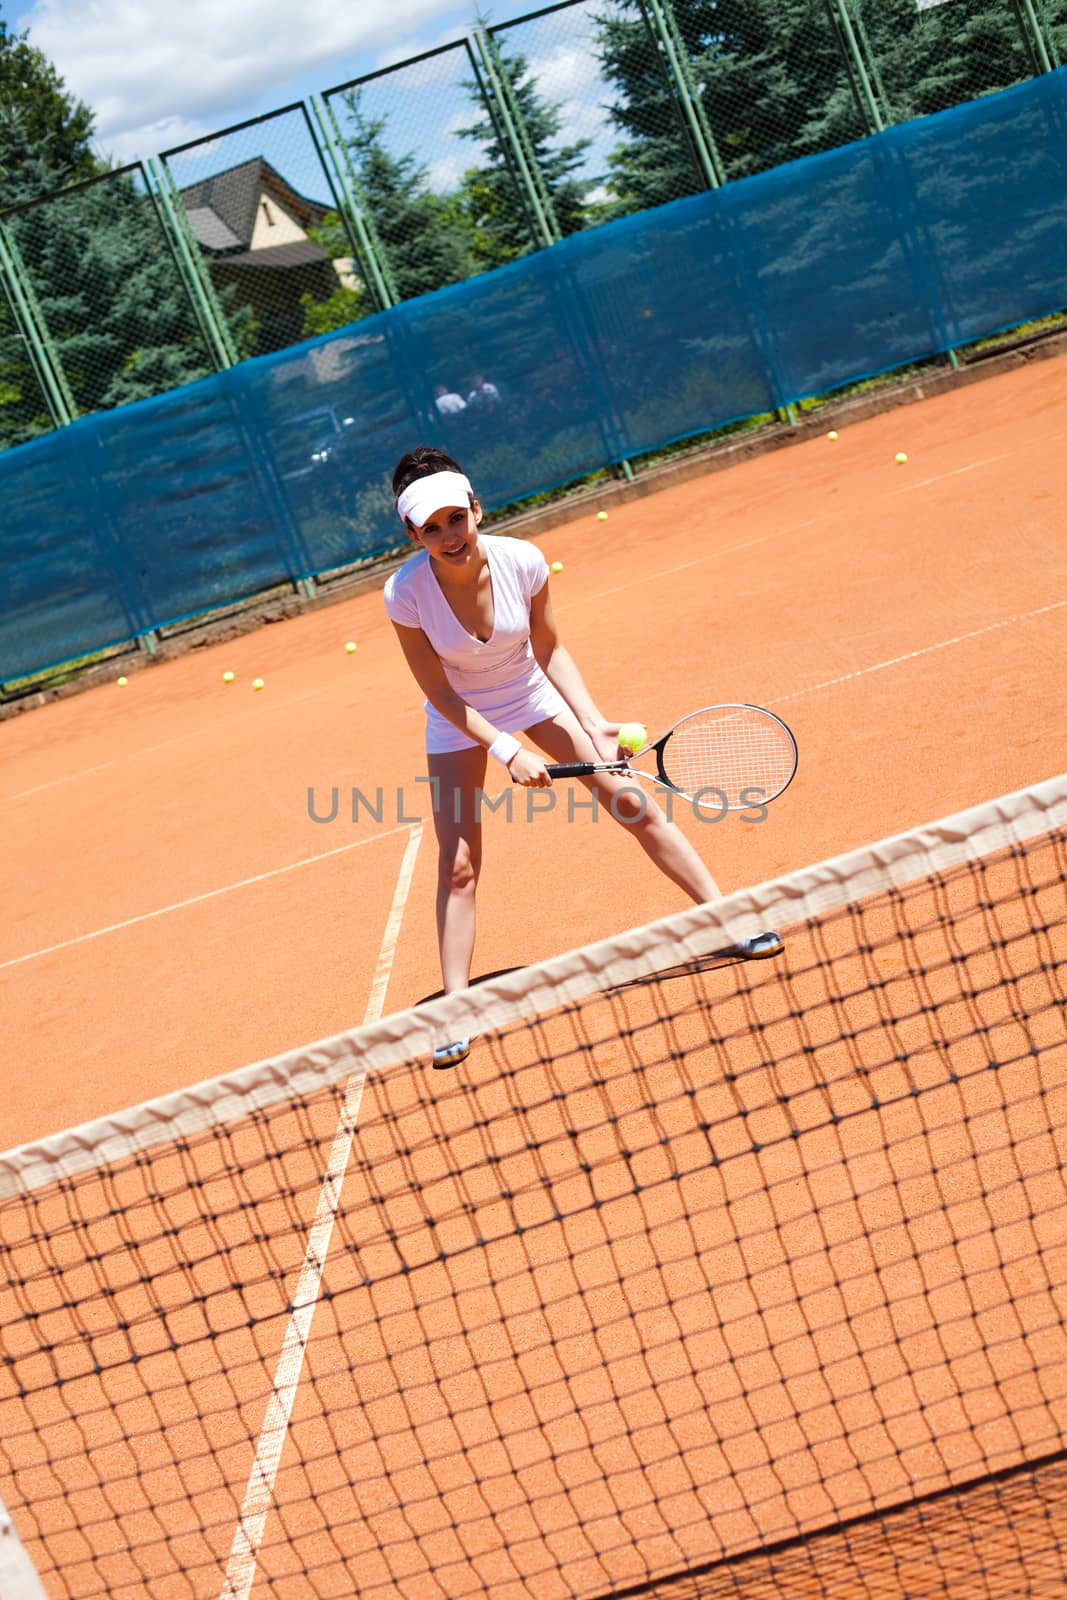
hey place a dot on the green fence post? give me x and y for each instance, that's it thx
(1034, 37)
(359, 224)
(207, 308)
(538, 197)
(841, 21)
(664, 25)
(33, 329)
(1049, 35)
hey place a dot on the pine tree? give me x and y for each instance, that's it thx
(495, 205)
(102, 272)
(771, 81)
(943, 55)
(775, 81)
(422, 238)
(48, 141)
(110, 294)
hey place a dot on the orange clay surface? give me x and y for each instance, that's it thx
(171, 911)
(534, 1417)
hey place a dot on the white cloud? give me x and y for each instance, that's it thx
(154, 75)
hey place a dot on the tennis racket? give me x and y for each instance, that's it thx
(721, 758)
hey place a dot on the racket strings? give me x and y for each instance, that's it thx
(730, 751)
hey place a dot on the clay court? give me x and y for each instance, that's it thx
(484, 1410)
(175, 913)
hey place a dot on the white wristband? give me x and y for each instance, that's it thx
(504, 747)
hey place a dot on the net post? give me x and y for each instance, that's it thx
(19, 1579)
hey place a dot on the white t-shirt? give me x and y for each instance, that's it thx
(500, 677)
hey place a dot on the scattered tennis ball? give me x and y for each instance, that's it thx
(633, 736)
(602, 516)
(350, 646)
(122, 682)
(901, 457)
(557, 566)
(257, 683)
(832, 434)
(227, 677)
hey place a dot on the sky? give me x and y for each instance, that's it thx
(159, 73)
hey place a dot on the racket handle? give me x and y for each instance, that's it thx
(582, 769)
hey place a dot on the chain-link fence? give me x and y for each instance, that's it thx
(456, 162)
(24, 408)
(258, 205)
(99, 264)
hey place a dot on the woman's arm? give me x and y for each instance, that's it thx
(525, 767)
(561, 669)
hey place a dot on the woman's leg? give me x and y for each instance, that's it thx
(456, 776)
(563, 738)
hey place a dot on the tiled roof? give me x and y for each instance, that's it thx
(277, 257)
(210, 230)
(233, 196)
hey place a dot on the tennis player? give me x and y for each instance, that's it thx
(474, 618)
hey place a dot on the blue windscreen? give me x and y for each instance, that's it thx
(617, 340)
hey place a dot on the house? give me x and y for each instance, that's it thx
(253, 228)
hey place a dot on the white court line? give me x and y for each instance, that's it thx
(927, 649)
(955, 473)
(197, 899)
(147, 750)
(259, 1492)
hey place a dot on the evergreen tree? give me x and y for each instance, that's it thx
(495, 205)
(775, 81)
(44, 142)
(347, 303)
(943, 55)
(44, 131)
(23, 410)
(107, 286)
(425, 243)
(770, 78)
(102, 272)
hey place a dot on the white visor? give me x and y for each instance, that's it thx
(421, 499)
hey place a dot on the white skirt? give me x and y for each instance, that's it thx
(511, 707)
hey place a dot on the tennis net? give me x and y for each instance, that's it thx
(748, 1281)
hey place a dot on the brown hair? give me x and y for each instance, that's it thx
(421, 462)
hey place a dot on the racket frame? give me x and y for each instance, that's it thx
(585, 769)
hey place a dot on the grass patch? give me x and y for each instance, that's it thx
(53, 677)
(1056, 323)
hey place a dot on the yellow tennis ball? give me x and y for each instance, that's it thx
(602, 516)
(901, 457)
(832, 434)
(227, 677)
(557, 566)
(257, 683)
(350, 646)
(122, 682)
(633, 736)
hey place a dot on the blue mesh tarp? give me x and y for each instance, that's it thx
(618, 340)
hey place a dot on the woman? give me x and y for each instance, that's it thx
(474, 619)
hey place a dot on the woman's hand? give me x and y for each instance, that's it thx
(605, 737)
(528, 769)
